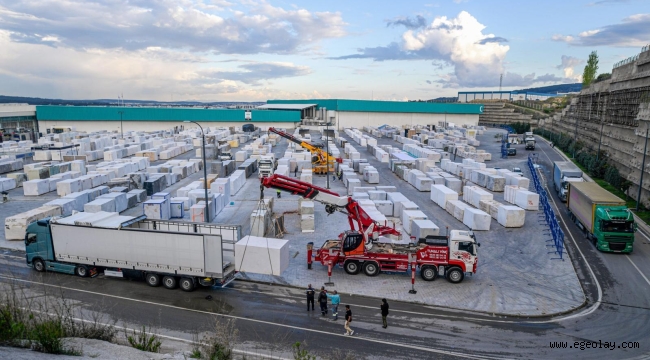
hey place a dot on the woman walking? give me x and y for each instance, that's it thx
(384, 312)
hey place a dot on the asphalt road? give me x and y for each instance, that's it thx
(271, 318)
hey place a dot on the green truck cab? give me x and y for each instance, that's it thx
(40, 251)
(602, 216)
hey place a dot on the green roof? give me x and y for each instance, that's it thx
(101, 113)
(388, 106)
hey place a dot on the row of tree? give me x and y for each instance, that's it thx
(595, 164)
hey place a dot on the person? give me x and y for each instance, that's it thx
(310, 297)
(336, 300)
(384, 312)
(295, 173)
(340, 175)
(279, 193)
(348, 320)
(551, 145)
(322, 300)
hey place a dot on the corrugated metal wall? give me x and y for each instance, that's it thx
(387, 106)
(97, 113)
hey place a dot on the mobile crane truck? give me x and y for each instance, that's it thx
(360, 249)
(321, 160)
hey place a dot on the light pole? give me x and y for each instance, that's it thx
(121, 128)
(645, 147)
(327, 149)
(602, 125)
(205, 171)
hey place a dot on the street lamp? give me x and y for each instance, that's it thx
(645, 148)
(121, 128)
(205, 172)
(327, 149)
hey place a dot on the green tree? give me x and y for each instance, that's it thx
(589, 74)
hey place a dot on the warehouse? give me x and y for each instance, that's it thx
(94, 118)
(359, 113)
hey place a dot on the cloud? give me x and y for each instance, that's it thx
(416, 23)
(217, 27)
(633, 31)
(567, 65)
(256, 72)
(607, 2)
(477, 58)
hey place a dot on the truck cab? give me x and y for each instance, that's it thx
(39, 250)
(614, 229)
(564, 186)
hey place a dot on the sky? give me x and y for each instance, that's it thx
(229, 50)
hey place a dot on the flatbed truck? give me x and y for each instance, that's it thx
(168, 253)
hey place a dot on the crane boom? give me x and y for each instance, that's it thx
(333, 202)
(320, 158)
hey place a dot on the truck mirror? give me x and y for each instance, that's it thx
(479, 244)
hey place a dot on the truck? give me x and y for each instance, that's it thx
(266, 167)
(529, 140)
(602, 216)
(565, 172)
(168, 253)
(368, 246)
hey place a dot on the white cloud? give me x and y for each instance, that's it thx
(567, 66)
(633, 31)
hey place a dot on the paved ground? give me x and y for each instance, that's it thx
(516, 274)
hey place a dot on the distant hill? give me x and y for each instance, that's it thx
(106, 102)
(554, 89)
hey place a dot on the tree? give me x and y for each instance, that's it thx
(589, 74)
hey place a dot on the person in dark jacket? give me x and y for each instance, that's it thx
(384, 312)
(348, 320)
(310, 297)
(322, 300)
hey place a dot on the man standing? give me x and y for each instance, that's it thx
(336, 300)
(348, 320)
(310, 297)
(322, 300)
(384, 312)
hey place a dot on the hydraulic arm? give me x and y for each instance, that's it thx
(320, 158)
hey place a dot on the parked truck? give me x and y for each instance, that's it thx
(565, 172)
(266, 167)
(602, 216)
(161, 252)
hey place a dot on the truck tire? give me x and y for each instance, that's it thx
(169, 282)
(153, 279)
(39, 265)
(455, 275)
(428, 272)
(371, 268)
(81, 271)
(186, 284)
(352, 267)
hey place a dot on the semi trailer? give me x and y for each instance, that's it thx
(168, 253)
(602, 216)
(565, 172)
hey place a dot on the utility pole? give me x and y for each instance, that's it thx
(327, 149)
(121, 127)
(205, 172)
(645, 148)
(602, 125)
(500, 83)
(575, 135)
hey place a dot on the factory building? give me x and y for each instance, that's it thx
(94, 118)
(17, 122)
(359, 113)
(477, 96)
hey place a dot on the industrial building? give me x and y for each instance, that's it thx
(359, 113)
(475, 96)
(17, 122)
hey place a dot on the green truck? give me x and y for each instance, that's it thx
(602, 216)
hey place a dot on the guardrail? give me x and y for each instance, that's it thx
(557, 235)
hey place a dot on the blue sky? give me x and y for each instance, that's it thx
(227, 50)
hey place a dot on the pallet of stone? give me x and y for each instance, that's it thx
(495, 183)
(385, 207)
(196, 195)
(80, 198)
(360, 196)
(260, 222)
(456, 208)
(222, 186)
(454, 184)
(420, 229)
(38, 173)
(440, 194)
(67, 205)
(7, 184)
(387, 188)
(376, 195)
(517, 180)
(509, 193)
(511, 216)
(237, 181)
(16, 225)
(121, 203)
(36, 187)
(436, 178)
(527, 200)
(19, 178)
(408, 216)
(474, 195)
(307, 223)
(352, 185)
(184, 200)
(396, 198)
(306, 207)
(69, 186)
(476, 219)
(491, 207)
(259, 255)
(423, 184)
(155, 184)
(157, 209)
(100, 204)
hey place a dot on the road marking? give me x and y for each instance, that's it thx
(637, 269)
(412, 347)
(644, 235)
(596, 305)
(13, 257)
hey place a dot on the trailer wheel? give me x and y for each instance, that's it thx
(352, 267)
(81, 271)
(169, 282)
(153, 280)
(371, 268)
(428, 273)
(186, 284)
(39, 265)
(454, 275)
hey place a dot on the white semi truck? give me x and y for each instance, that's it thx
(168, 253)
(565, 172)
(529, 140)
(266, 166)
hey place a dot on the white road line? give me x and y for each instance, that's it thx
(596, 305)
(644, 235)
(637, 269)
(13, 257)
(407, 346)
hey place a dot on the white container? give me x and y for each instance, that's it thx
(99, 204)
(36, 187)
(476, 219)
(408, 216)
(511, 216)
(261, 255)
(420, 229)
(527, 200)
